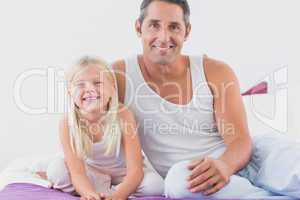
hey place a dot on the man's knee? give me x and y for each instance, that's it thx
(176, 185)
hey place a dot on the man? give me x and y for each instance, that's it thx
(191, 118)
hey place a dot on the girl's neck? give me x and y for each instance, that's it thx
(94, 125)
(92, 118)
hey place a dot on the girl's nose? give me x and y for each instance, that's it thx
(90, 87)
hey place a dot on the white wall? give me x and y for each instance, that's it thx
(255, 37)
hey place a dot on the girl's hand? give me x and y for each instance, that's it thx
(100, 196)
(116, 196)
(106, 197)
(91, 196)
(109, 198)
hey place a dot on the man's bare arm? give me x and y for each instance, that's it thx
(210, 175)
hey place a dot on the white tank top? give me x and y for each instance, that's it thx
(169, 132)
(114, 164)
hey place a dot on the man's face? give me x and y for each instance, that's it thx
(163, 32)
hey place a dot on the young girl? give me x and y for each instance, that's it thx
(102, 154)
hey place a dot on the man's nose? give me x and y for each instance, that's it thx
(164, 35)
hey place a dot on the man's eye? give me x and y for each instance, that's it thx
(174, 28)
(156, 26)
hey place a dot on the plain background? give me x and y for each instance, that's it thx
(255, 37)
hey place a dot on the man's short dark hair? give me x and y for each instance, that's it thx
(182, 3)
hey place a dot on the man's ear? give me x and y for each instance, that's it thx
(138, 27)
(188, 31)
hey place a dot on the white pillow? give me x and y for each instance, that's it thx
(261, 114)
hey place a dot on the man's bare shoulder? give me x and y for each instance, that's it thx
(119, 71)
(119, 65)
(125, 113)
(217, 71)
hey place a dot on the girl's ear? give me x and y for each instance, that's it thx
(69, 89)
(138, 28)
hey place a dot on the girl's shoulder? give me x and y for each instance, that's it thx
(63, 122)
(64, 126)
(127, 123)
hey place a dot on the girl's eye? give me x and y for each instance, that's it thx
(79, 84)
(98, 83)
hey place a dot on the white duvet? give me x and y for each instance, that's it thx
(23, 170)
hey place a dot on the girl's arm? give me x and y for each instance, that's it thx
(75, 165)
(133, 156)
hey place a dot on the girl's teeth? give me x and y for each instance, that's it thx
(91, 98)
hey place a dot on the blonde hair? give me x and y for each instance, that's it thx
(81, 142)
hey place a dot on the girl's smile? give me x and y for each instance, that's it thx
(90, 93)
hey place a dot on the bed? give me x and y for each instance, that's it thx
(27, 191)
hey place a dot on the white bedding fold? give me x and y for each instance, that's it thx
(23, 170)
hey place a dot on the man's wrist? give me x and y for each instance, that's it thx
(229, 166)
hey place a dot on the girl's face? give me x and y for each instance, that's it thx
(91, 90)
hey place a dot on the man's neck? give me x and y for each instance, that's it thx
(161, 73)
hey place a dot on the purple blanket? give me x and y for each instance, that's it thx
(22, 191)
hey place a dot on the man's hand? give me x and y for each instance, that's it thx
(208, 175)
